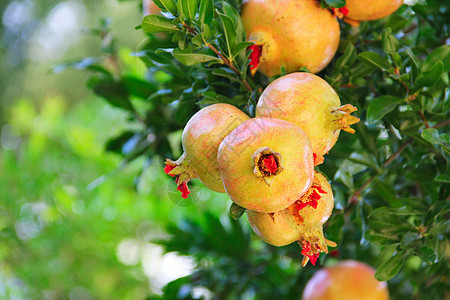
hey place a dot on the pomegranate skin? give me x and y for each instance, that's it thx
(309, 102)
(293, 34)
(237, 166)
(290, 225)
(201, 138)
(301, 222)
(365, 10)
(348, 280)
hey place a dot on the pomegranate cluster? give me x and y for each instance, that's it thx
(266, 164)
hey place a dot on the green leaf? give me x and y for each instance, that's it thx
(430, 76)
(189, 8)
(439, 54)
(389, 41)
(374, 59)
(414, 63)
(382, 238)
(240, 47)
(206, 12)
(444, 178)
(229, 32)
(153, 24)
(432, 135)
(391, 267)
(114, 92)
(381, 106)
(336, 3)
(190, 58)
(348, 57)
(170, 6)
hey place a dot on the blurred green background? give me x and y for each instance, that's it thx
(72, 224)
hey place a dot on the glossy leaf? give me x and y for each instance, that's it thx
(381, 106)
(391, 267)
(374, 59)
(154, 24)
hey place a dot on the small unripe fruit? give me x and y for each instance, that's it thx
(266, 164)
(311, 103)
(348, 280)
(289, 33)
(364, 10)
(301, 222)
(201, 139)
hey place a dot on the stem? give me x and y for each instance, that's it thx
(422, 116)
(225, 60)
(442, 124)
(357, 193)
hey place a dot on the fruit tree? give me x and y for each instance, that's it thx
(326, 122)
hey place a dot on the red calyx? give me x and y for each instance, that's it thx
(169, 168)
(344, 10)
(183, 188)
(306, 252)
(270, 164)
(254, 57)
(317, 159)
(313, 198)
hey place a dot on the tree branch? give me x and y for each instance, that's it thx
(225, 60)
(357, 193)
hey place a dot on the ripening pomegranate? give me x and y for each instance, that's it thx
(311, 103)
(201, 139)
(289, 33)
(266, 164)
(348, 280)
(301, 222)
(363, 10)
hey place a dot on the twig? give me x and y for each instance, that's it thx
(357, 193)
(422, 116)
(222, 57)
(442, 124)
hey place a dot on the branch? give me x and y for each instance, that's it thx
(357, 193)
(222, 57)
(422, 116)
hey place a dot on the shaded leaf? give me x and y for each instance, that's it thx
(381, 106)
(374, 59)
(391, 267)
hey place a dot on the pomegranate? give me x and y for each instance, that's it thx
(311, 103)
(371, 10)
(289, 33)
(201, 139)
(348, 280)
(301, 222)
(266, 164)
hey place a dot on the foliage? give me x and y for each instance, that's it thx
(390, 179)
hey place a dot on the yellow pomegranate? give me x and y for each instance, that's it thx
(311, 103)
(201, 138)
(301, 222)
(348, 280)
(366, 10)
(266, 164)
(289, 33)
